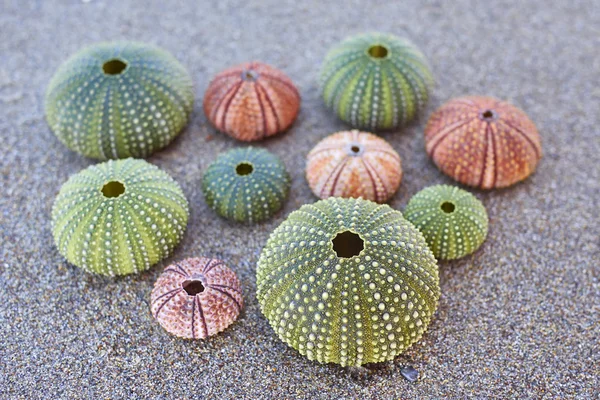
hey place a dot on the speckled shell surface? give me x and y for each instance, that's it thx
(453, 221)
(120, 114)
(350, 311)
(252, 197)
(251, 101)
(374, 90)
(122, 234)
(483, 142)
(354, 164)
(205, 313)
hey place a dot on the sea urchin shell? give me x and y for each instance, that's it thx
(196, 298)
(347, 281)
(375, 81)
(483, 142)
(246, 185)
(453, 221)
(119, 100)
(354, 164)
(251, 101)
(118, 217)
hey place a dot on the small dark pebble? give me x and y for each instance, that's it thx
(410, 373)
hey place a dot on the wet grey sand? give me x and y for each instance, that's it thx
(518, 319)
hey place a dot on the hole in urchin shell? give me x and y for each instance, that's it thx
(347, 244)
(113, 189)
(114, 66)
(244, 169)
(192, 287)
(355, 149)
(447, 207)
(249, 75)
(488, 115)
(378, 51)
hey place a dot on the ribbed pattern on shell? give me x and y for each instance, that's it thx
(251, 101)
(130, 114)
(485, 152)
(453, 221)
(375, 93)
(203, 314)
(252, 197)
(354, 164)
(349, 311)
(119, 235)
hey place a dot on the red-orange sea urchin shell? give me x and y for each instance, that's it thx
(251, 101)
(196, 298)
(483, 142)
(354, 164)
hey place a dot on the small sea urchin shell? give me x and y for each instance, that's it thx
(354, 164)
(453, 221)
(375, 81)
(251, 101)
(196, 298)
(118, 217)
(246, 185)
(119, 100)
(347, 281)
(483, 142)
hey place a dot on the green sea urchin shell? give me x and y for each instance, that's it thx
(119, 100)
(375, 81)
(246, 185)
(118, 217)
(347, 281)
(453, 221)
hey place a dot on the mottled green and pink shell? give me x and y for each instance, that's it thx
(347, 281)
(246, 184)
(483, 142)
(452, 220)
(119, 217)
(376, 81)
(118, 100)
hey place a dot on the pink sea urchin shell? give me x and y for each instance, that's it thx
(196, 298)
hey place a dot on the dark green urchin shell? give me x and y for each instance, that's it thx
(246, 184)
(119, 100)
(375, 81)
(347, 281)
(118, 217)
(453, 221)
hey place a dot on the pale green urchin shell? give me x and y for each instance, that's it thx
(453, 221)
(119, 100)
(246, 184)
(347, 281)
(376, 81)
(119, 217)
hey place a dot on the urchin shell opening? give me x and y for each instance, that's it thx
(244, 168)
(378, 51)
(113, 189)
(114, 66)
(192, 286)
(249, 75)
(348, 244)
(448, 207)
(488, 115)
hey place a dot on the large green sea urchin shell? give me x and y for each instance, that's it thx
(375, 81)
(118, 217)
(119, 100)
(347, 281)
(453, 221)
(246, 184)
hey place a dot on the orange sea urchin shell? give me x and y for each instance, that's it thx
(354, 164)
(483, 142)
(196, 298)
(251, 101)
